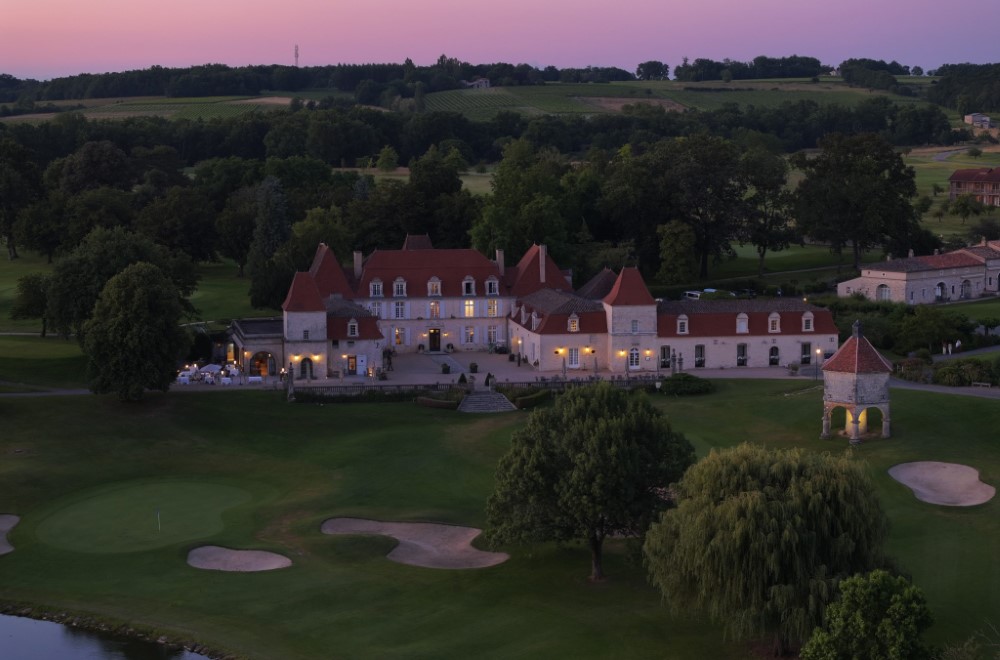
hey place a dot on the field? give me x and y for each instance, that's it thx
(209, 107)
(934, 166)
(271, 472)
(555, 98)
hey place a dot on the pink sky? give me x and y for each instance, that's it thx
(48, 38)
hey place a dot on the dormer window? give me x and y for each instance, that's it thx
(573, 325)
(534, 321)
(682, 324)
(375, 289)
(468, 287)
(742, 324)
(774, 322)
(807, 322)
(352, 328)
(434, 287)
(492, 287)
(399, 288)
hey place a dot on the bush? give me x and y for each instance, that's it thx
(473, 368)
(445, 369)
(686, 384)
(914, 369)
(532, 400)
(462, 380)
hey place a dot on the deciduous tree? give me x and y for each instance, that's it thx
(855, 194)
(878, 617)
(134, 338)
(596, 463)
(760, 538)
(767, 218)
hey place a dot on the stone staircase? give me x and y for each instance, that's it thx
(485, 401)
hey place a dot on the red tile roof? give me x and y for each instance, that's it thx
(525, 277)
(336, 328)
(979, 174)
(717, 318)
(328, 274)
(417, 267)
(303, 295)
(958, 259)
(629, 289)
(858, 356)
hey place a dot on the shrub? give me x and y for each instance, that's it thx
(462, 379)
(685, 384)
(913, 369)
(473, 368)
(445, 369)
(532, 400)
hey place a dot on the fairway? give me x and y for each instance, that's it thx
(141, 516)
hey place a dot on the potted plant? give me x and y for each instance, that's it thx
(473, 368)
(445, 369)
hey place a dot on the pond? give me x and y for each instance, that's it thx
(28, 639)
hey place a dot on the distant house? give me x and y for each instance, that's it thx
(983, 183)
(958, 275)
(478, 83)
(978, 120)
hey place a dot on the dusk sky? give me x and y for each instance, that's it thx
(49, 38)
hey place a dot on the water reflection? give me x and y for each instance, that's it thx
(28, 639)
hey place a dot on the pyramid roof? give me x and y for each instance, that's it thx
(629, 289)
(858, 356)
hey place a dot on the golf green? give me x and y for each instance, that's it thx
(140, 516)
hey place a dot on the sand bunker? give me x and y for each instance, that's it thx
(7, 522)
(430, 545)
(215, 558)
(950, 484)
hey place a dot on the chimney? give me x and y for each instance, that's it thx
(910, 253)
(541, 264)
(500, 265)
(357, 265)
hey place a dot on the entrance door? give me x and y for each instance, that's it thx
(434, 339)
(774, 357)
(352, 365)
(664, 357)
(741, 355)
(574, 358)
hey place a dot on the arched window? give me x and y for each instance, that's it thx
(807, 322)
(306, 368)
(573, 324)
(468, 286)
(774, 357)
(434, 287)
(774, 322)
(633, 358)
(882, 292)
(682, 324)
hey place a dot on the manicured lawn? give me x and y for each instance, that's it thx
(977, 309)
(80, 458)
(87, 473)
(49, 362)
(796, 257)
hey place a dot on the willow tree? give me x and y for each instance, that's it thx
(761, 538)
(596, 463)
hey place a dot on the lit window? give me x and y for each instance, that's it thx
(742, 324)
(469, 287)
(470, 334)
(434, 287)
(774, 322)
(399, 288)
(493, 308)
(574, 324)
(435, 310)
(492, 287)
(399, 310)
(399, 336)
(470, 308)
(375, 289)
(352, 328)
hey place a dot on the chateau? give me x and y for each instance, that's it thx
(341, 321)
